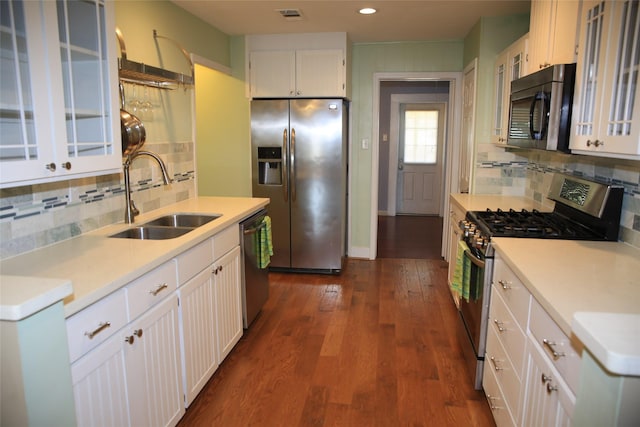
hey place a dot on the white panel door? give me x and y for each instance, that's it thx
(420, 158)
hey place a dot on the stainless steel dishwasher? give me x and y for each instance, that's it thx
(255, 280)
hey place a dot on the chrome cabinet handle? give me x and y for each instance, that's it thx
(130, 339)
(158, 289)
(495, 364)
(491, 399)
(545, 378)
(217, 270)
(505, 285)
(51, 167)
(499, 325)
(101, 327)
(551, 388)
(66, 165)
(596, 143)
(550, 345)
(138, 333)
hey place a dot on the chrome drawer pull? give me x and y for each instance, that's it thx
(551, 388)
(495, 364)
(499, 325)
(505, 285)
(491, 399)
(550, 345)
(545, 379)
(101, 327)
(157, 290)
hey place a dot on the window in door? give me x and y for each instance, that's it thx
(421, 136)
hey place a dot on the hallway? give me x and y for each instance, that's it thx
(414, 237)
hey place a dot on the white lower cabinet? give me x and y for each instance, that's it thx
(152, 357)
(531, 367)
(549, 401)
(100, 386)
(198, 333)
(133, 378)
(228, 301)
(142, 354)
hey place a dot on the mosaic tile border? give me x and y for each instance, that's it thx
(17, 211)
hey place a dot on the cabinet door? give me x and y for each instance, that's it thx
(197, 333)
(320, 73)
(549, 402)
(500, 98)
(228, 301)
(100, 386)
(272, 73)
(58, 120)
(606, 121)
(553, 32)
(152, 358)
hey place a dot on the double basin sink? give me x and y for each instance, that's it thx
(166, 227)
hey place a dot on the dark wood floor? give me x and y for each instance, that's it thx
(402, 236)
(374, 346)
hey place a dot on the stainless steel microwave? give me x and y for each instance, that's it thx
(540, 109)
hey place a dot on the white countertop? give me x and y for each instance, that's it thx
(590, 289)
(97, 265)
(20, 297)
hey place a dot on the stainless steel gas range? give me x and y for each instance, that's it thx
(584, 210)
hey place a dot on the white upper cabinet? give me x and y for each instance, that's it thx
(298, 66)
(553, 33)
(58, 112)
(510, 65)
(606, 114)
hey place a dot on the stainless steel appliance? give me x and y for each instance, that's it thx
(255, 280)
(540, 109)
(299, 161)
(584, 210)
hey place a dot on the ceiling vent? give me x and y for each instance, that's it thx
(290, 14)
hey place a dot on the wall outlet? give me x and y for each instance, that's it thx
(365, 143)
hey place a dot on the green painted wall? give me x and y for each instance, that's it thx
(137, 20)
(223, 137)
(369, 59)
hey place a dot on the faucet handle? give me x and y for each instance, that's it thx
(134, 211)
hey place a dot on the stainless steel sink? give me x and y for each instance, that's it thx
(182, 220)
(152, 233)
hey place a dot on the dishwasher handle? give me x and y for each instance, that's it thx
(254, 230)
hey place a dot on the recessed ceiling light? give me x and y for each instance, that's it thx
(367, 11)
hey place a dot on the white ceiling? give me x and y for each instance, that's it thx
(396, 20)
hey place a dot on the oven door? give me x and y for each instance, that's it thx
(475, 310)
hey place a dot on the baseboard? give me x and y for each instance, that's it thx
(359, 252)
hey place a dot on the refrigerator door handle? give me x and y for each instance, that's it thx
(293, 165)
(285, 188)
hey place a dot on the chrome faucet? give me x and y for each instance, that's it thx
(130, 209)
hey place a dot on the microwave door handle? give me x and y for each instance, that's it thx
(542, 98)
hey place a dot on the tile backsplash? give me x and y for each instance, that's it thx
(39, 215)
(529, 173)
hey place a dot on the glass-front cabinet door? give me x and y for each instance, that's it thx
(606, 118)
(59, 91)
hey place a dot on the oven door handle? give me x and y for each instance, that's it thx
(473, 259)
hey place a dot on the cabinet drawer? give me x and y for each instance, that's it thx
(194, 260)
(568, 360)
(153, 287)
(515, 294)
(507, 331)
(501, 414)
(226, 240)
(91, 326)
(496, 360)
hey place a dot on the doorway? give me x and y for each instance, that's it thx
(444, 88)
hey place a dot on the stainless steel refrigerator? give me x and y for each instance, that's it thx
(299, 161)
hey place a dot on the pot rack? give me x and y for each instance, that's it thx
(147, 75)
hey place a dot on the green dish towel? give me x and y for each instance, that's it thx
(458, 272)
(265, 244)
